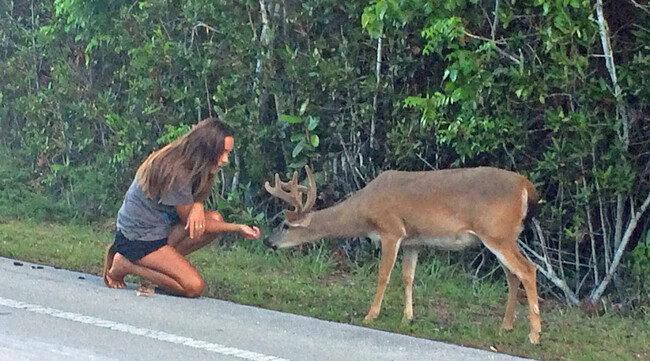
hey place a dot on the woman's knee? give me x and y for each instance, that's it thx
(214, 215)
(194, 287)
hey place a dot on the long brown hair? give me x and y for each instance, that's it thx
(190, 158)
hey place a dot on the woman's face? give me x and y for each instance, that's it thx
(229, 143)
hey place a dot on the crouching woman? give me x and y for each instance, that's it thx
(162, 218)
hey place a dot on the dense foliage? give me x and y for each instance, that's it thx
(89, 88)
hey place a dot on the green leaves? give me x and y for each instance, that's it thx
(290, 118)
(173, 132)
(304, 138)
(442, 31)
(374, 16)
(314, 140)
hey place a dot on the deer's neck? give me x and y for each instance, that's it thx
(341, 220)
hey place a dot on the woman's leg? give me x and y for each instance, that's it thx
(180, 240)
(169, 270)
(165, 267)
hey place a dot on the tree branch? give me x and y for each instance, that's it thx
(374, 101)
(499, 50)
(595, 295)
(496, 19)
(547, 271)
(611, 68)
(639, 6)
(265, 40)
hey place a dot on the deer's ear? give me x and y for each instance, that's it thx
(296, 219)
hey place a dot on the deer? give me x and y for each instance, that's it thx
(450, 209)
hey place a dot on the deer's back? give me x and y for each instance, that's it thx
(442, 202)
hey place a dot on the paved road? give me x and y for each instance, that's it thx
(53, 314)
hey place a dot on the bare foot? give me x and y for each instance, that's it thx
(114, 278)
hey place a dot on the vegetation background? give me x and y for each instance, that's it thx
(555, 89)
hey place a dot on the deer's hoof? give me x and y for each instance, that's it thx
(371, 316)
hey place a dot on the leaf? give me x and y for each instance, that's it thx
(304, 105)
(380, 10)
(290, 118)
(297, 164)
(297, 137)
(365, 19)
(312, 123)
(415, 102)
(456, 95)
(315, 141)
(299, 147)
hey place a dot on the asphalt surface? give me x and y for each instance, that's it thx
(54, 314)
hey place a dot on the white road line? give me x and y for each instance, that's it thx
(139, 331)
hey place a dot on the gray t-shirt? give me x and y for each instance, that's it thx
(144, 219)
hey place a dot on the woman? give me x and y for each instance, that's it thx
(162, 218)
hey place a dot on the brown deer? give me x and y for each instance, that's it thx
(447, 209)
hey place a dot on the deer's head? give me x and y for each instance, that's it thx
(294, 230)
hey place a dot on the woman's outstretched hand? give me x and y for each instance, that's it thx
(250, 232)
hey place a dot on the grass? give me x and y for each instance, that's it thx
(448, 306)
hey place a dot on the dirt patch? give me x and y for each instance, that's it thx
(643, 355)
(443, 317)
(104, 225)
(220, 291)
(337, 277)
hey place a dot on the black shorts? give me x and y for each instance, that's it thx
(135, 250)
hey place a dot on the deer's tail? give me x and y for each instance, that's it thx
(532, 202)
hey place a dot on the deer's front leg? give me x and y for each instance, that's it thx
(389, 246)
(409, 261)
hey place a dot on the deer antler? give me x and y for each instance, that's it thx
(311, 192)
(287, 191)
(291, 192)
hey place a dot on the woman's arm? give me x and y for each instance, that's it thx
(192, 215)
(215, 223)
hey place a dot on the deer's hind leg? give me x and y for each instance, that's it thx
(525, 271)
(409, 261)
(389, 246)
(513, 288)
